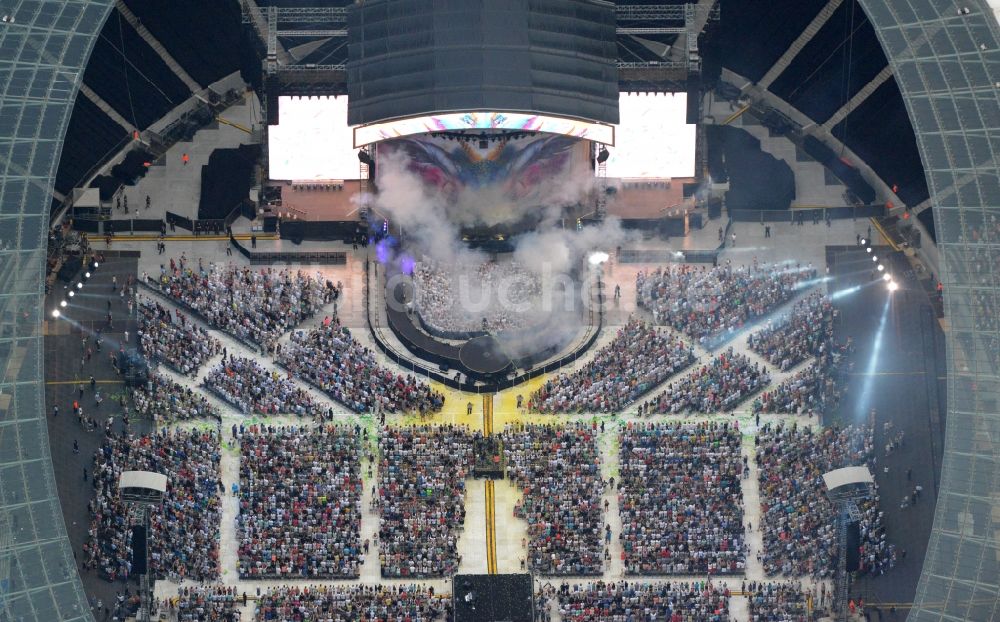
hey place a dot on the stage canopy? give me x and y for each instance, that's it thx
(410, 58)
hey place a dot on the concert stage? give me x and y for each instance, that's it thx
(479, 358)
(443, 357)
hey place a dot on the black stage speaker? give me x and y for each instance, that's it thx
(853, 543)
(70, 268)
(138, 550)
(693, 100)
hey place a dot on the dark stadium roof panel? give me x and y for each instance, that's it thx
(417, 57)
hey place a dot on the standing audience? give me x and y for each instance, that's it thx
(164, 402)
(300, 503)
(623, 601)
(804, 332)
(330, 358)
(558, 468)
(253, 306)
(723, 384)
(712, 304)
(249, 387)
(797, 520)
(178, 343)
(637, 359)
(421, 499)
(352, 603)
(184, 543)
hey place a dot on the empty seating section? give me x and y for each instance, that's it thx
(752, 37)
(880, 133)
(130, 76)
(208, 48)
(844, 49)
(91, 138)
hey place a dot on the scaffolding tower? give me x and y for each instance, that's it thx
(846, 488)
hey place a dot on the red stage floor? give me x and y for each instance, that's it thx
(320, 205)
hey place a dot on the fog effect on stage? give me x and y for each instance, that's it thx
(431, 201)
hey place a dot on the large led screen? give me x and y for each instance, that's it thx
(653, 139)
(480, 120)
(491, 178)
(312, 140)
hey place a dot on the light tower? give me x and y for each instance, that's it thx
(142, 490)
(845, 488)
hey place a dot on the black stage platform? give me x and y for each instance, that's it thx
(484, 356)
(492, 598)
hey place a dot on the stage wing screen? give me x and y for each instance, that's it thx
(312, 140)
(653, 139)
(597, 132)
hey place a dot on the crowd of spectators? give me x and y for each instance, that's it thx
(501, 295)
(249, 387)
(179, 343)
(812, 390)
(621, 601)
(164, 402)
(637, 359)
(330, 358)
(300, 503)
(421, 499)
(558, 468)
(803, 333)
(680, 499)
(797, 520)
(719, 386)
(253, 305)
(184, 543)
(206, 604)
(352, 603)
(710, 304)
(777, 602)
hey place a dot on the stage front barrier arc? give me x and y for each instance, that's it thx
(420, 370)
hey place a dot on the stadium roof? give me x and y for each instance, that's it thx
(947, 65)
(42, 55)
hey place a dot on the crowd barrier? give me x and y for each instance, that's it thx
(328, 258)
(668, 256)
(806, 214)
(136, 225)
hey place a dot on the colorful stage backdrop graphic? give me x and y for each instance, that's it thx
(529, 170)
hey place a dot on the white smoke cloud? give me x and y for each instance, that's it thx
(555, 250)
